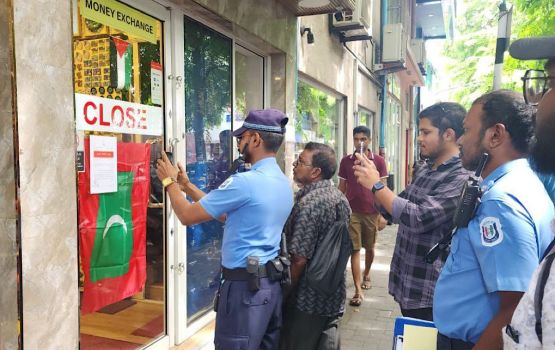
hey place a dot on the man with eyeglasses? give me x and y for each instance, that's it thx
(535, 84)
(491, 259)
(255, 206)
(533, 321)
(310, 318)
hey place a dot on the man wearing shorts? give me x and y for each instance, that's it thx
(364, 219)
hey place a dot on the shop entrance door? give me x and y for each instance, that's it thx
(204, 113)
(221, 82)
(123, 103)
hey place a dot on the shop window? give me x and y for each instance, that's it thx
(319, 118)
(118, 69)
(393, 139)
(249, 83)
(208, 126)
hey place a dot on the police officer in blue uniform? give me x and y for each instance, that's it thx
(255, 206)
(492, 260)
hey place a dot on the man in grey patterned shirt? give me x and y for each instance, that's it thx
(425, 209)
(310, 319)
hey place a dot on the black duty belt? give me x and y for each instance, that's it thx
(446, 343)
(241, 274)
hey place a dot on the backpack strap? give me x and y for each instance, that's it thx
(540, 289)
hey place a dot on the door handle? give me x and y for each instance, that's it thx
(180, 268)
(178, 79)
(173, 142)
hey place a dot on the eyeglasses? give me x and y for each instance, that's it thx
(535, 84)
(243, 135)
(299, 161)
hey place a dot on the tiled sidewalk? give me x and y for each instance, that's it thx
(370, 326)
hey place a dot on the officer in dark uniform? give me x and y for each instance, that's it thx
(255, 206)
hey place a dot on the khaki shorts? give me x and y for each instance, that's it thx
(363, 229)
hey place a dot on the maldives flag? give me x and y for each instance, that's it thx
(112, 230)
(120, 63)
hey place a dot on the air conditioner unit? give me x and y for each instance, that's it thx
(418, 48)
(359, 19)
(394, 45)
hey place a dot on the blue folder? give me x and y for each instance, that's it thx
(400, 322)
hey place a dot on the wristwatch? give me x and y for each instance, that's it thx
(377, 186)
(168, 181)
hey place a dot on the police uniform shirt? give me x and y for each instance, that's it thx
(499, 251)
(257, 204)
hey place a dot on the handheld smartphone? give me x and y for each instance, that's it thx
(358, 149)
(170, 156)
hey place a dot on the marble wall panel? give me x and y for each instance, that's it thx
(42, 32)
(268, 20)
(8, 214)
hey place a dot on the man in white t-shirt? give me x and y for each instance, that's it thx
(525, 332)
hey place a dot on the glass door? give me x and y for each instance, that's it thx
(221, 82)
(122, 108)
(206, 118)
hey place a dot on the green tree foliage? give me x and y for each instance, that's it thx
(207, 81)
(316, 111)
(471, 55)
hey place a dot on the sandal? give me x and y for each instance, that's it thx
(356, 300)
(366, 283)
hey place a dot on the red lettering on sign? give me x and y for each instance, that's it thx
(142, 120)
(86, 112)
(117, 120)
(130, 114)
(102, 122)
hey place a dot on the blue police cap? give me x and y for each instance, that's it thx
(269, 120)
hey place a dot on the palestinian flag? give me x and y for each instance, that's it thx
(121, 58)
(112, 230)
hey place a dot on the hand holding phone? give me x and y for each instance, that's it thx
(168, 154)
(165, 167)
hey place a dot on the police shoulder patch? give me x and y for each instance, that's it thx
(226, 183)
(491, 231)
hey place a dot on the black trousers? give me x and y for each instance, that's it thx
(308, 332)
(446, 343)
(422, 314)
(248, 320)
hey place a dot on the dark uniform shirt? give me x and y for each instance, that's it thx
(317, 207)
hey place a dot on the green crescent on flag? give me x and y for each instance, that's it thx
(113, 243)
(120, 63)
(112, 229)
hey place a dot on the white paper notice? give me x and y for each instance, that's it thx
(156, 83)
(104, 165)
